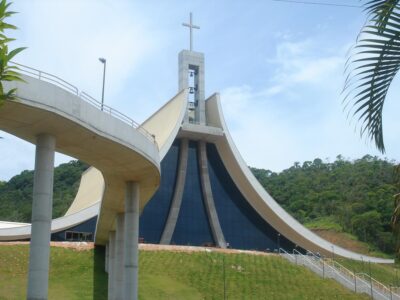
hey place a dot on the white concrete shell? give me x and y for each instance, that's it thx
(85, 206)
(165, 123)
(262, 202)
(20, 232)
(90, 192)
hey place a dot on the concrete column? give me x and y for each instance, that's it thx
(178, 194)
(39, 253)
(131, 251)
(212, 214)
(107, 254)
(111, 265)
(119, 258)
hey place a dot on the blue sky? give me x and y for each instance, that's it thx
(278, 66)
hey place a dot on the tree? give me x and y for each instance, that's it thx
(370, 72)
(372, 67)
(7, 72)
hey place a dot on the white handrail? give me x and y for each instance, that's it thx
(47, 77)
(377, 284)
(364, 281)
(44, 76)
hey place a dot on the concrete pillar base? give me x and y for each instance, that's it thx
(39, 252)
(119, 258)
(131, 251)
(111, 265)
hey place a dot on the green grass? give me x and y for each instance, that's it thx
(73, 274)
(172, 275)
(327, 223)
(388, 274)
(329, 229)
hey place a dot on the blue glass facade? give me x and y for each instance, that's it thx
(192, 227)
(88, 226)
(242, 226)
(155, 213)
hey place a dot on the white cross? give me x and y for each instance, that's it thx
(191, 26)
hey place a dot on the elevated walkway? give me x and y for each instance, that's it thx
(55, 116)
(107, 140)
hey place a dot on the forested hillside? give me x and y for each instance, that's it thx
(350, 196)
(16, 194)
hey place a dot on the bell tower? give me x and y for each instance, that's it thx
(191, 76)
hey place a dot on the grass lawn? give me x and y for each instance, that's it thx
(73, 274)
(171, 275)
(388, 274)
(330, 230)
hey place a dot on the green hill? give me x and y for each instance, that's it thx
(354, 197)
(171, 275)
(16, 194)
(349, 201)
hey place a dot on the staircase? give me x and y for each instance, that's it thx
(328, 268)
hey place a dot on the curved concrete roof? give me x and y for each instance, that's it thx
(165, 123)
(85, 206)
(262, 202)
(90, 192)
(121, 152)
(18, 231)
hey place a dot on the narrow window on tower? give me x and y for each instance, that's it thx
(192, 84)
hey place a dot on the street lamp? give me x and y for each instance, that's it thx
(104, 62)
(279, 242)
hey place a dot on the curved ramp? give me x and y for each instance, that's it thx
(86, 204)
(262, 202)
(119, 151)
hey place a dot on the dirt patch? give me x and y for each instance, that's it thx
(189, 249)
(342, 240)
(79, 246)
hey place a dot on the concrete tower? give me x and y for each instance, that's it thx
(191, 76)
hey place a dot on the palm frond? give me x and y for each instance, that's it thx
(7, 73)
(372, 66)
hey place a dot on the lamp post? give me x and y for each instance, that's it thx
(104, 62)
(279, 242)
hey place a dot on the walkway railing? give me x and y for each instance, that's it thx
(328, 268)
(44, 76)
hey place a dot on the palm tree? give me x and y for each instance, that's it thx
(370, 69)
(7, 72)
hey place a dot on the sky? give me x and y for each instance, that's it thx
(279, 68)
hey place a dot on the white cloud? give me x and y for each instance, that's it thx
(305, 62)
(298, 115)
